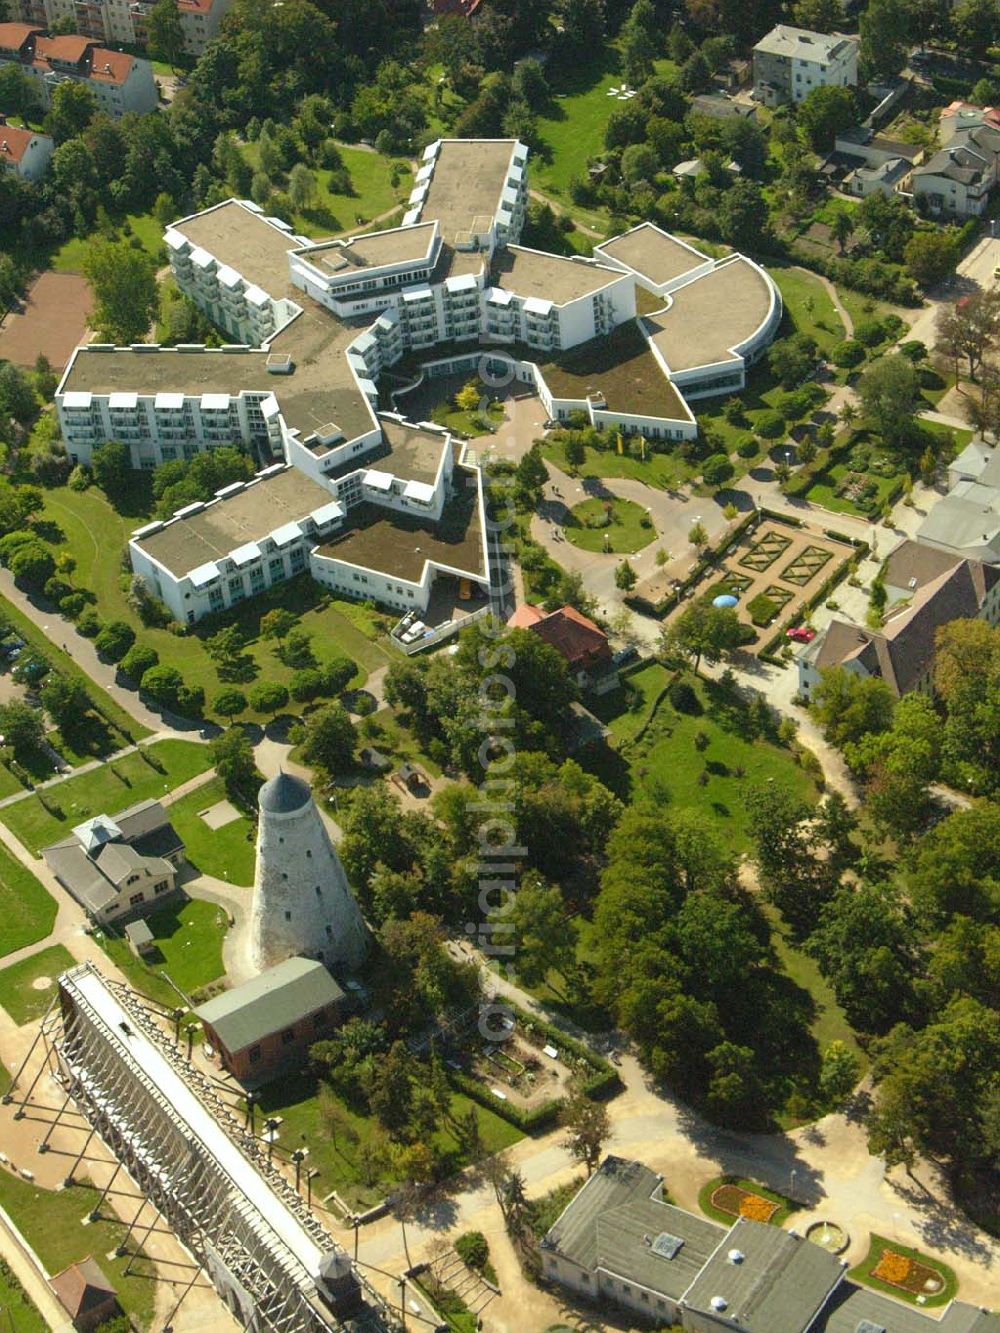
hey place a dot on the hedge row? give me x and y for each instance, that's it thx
(770, 651)
(700, 567)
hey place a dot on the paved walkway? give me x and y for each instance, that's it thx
(63, 634)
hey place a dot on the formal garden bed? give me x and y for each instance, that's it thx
(727, 1198)
(904, 1272)
(806, 565)
(763, 553)
(767, 604)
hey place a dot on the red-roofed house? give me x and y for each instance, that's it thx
(118, 22)
(24, 152)
(583, 644)
(120, 82)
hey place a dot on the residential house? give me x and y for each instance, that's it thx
(717, 106)
(958, 178)
(118, 81)
(788, 63)
(966, 521)
(122, 866)
(873, 164)
(24, 152)
(576, 638)
(926, 588)
(265, 1027)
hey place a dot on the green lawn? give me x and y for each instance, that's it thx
(104, 790)
(69, 257)
(372, 192)
(823, 491)
(808, 306)
(296, 1100)
(128, 727)
(22, 1315)
(629, 530)
(51, 1221)
(829, 1022)
(27, 909)
(863, 1273)
(226, 852)
(665, 764)
(9, 784)
(468, 423)
(21, 997)
(188, 948)
(786, 1206)
(571, 128)
(665, 471)
(94, 533)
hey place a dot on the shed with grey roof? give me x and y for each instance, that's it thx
(266, 1026)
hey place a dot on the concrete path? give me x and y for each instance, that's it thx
(63, 633)
(834, 296)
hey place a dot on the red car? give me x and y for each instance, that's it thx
(802, 634)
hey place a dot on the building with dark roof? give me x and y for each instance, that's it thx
(86, 1294)
(927, 588)
(619, 1242)
(119, 867)
(266, 1026)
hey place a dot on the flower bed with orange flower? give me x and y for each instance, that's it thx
(738, 1202)
(899, 1270)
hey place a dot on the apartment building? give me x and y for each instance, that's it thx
(790, 62)
(124, 22)
(373, 506)
(24, 152)
(119, 82)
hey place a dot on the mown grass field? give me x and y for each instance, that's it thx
(373, 192)
(51, 1221)
(25, 1000)
(188, 948)
(27, 909)
(629, 529)
(666, 764)
(226, 852)
(94, 533)
(104, 790)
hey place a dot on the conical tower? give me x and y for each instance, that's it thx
(302, 903)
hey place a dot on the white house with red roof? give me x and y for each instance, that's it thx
(24, 152)
(125, 22)
(119, 82)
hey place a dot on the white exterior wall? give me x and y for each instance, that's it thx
(156, 432)
(944, 195)
(34, 160)
(302, 903)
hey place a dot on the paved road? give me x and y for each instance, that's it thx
(63, 634)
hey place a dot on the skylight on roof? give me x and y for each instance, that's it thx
(866, 1326)
(667, 1246)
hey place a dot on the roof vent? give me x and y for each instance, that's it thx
(912, 583)
(735, 1256)
(718, 1303)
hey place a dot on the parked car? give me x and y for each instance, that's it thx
(803, 634)
(625, 655)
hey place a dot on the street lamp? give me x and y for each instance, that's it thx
(251, 1111)
(298, 1157)
(270, 1129)
(310, 1177)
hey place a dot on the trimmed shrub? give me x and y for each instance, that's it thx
(89, 624)
(717, 469)
(473, 1249)
(683, 698)
(770, 425)
(747, 447)
(870, 332)
(848, 354)
(761, 609)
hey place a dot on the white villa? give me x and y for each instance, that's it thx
(625, 338)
